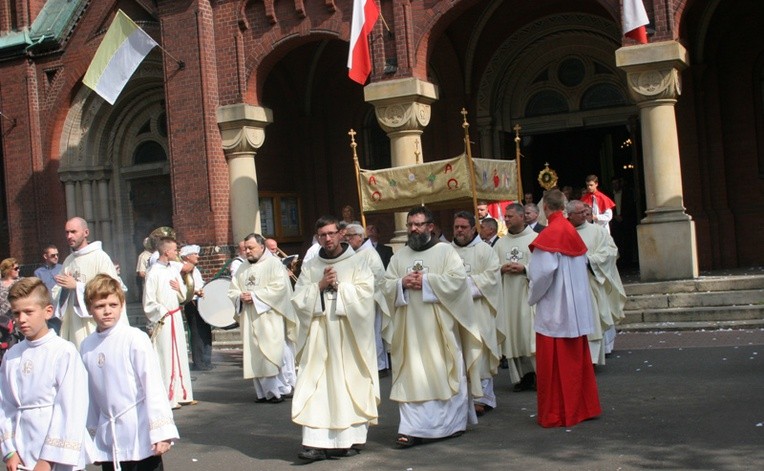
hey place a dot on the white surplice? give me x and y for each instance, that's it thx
(562, 297)
(129, 410)
(83, 265)
(161, 303)
(268, 325)
(44, 396)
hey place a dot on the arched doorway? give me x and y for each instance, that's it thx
(556, 77)
(115, 168)
(306, 150)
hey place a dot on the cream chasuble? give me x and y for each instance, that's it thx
(608, 294)
(483, 280)
(430, 337)
(337, 385)
(269, 321)
(517, 315)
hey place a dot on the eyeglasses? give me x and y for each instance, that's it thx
(411, 225)
(353, 235)
(326, 235)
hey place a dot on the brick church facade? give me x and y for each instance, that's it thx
(252, 130)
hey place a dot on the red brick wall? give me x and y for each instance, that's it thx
(199, 171)
(240, 51)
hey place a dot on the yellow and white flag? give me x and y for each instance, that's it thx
(123, 48)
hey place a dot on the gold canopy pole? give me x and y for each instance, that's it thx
(520, 195)
(470, 164)
(353, 146)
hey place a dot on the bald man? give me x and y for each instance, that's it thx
(85, 262)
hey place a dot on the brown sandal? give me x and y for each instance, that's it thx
(407, 441)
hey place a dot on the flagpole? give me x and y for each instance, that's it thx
(12, 120)
(353, 146)
(181, 64)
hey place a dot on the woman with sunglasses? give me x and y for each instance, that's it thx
(9, 273)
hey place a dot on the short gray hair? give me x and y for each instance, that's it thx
(354, 228)
(573, 206)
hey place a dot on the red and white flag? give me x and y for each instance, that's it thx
(634, 18)
(365, 14)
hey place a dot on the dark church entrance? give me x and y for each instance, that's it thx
(608, 152)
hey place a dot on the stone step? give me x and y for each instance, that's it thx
(704, 325)
(695, 314)
(701, 284)
(741, 297)
(226, 336)
(708, 302)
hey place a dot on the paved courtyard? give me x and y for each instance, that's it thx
(671, 400)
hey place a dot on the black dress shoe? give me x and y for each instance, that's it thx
(342, 452)
(312, 454)
(528, 383)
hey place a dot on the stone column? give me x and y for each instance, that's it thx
(403, 110)
(487, 133)
(242, 128)
(71, 199)
(104, 214)
(666, 236)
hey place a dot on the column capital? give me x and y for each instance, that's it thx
(402, 105)
(652, 70)
(242, 127)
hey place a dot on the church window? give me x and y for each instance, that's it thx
(149, 152)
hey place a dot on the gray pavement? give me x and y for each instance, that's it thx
(670, 400)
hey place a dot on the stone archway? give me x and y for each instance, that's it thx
(569, 57)
(104, 162)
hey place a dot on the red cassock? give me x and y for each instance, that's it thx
(566, 387)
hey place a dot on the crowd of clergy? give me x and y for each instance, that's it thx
(442, 317)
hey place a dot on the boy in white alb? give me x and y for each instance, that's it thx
(162, 295)
(130, 416)
(43, 390)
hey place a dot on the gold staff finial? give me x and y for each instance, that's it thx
(354, 145)
(517, 129)
(470, 164)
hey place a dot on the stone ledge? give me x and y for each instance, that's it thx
(679, 326)
(695, 314)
